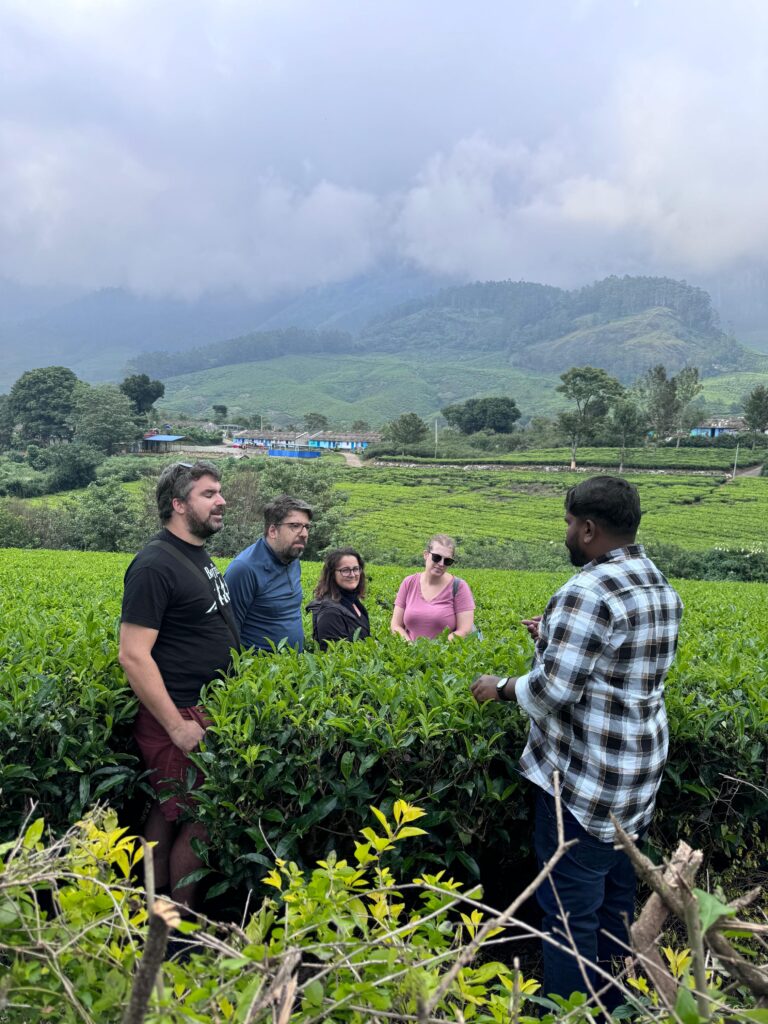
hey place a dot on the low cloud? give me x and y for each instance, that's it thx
(272, 147)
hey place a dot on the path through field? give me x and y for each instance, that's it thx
(352, 460)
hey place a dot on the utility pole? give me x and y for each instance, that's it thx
(435, 436)
(735, 460)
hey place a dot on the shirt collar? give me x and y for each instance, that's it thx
(618, 554)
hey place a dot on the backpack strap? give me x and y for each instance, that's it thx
(224, 610)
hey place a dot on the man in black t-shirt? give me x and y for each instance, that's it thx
(176, 634)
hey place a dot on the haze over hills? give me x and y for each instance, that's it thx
(523, 334)
(97, 333)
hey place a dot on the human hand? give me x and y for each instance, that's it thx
(532, 625)
(484, 688)
(186, 735)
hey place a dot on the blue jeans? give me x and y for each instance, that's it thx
(596, 886)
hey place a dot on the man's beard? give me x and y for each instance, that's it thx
(290, 554)
(578, 557)
(202, 528)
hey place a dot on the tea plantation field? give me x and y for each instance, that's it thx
(397, 509)
(302, 744)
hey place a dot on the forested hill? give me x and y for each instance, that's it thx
(249, 348)
(624, 325)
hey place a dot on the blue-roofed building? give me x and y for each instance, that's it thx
(160, 443)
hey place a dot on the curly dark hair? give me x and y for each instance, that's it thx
(176, 481)
(327, 586)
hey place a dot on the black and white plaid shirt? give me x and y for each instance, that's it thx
(595, 693)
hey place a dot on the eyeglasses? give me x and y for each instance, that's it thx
(346, 571)
(437, 559)
(297, 527)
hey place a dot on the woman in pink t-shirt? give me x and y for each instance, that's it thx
(432, 601)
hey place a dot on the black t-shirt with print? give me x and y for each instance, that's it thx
(194, 641)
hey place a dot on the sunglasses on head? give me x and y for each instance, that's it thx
(437, 559)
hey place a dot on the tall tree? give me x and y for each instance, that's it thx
(497, 414)
(688, 386)
(668, 400)
(626, 424)
(41, 403)
(142, 391)
(593, 391)
(361, 427)
(315, 421)
(6, 423)
(659, 397)
(102, 417)
(220, 412)
(406, 429)
(756, 411)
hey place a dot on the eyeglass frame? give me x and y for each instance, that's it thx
(296, 527)
(445, 560)
(349, 570)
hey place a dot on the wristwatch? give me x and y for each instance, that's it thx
(500, 686)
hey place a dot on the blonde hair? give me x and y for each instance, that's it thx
(444, 539)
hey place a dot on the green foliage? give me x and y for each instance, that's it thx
(300, 743)
(341, 936)
(248, 485)
(20, 478)
(406, 430)
(756, 409)
(391, 509)
(142, 392)
(105, 517)
(73, 465)
(102, 417)
(593, 392)
(13, 529)
(6, 423)
(194, 433)
(41, 403)
(667, 400)
(498, 415)
(315, 421)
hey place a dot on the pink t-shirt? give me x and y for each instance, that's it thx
(430, 618)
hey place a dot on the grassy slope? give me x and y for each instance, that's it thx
(376, 387)
(721, 393)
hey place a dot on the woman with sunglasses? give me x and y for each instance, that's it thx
(338, 612)
(432, 601)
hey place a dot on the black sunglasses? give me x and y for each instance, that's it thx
(437, 559)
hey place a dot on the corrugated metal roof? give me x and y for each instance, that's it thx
(166, 437)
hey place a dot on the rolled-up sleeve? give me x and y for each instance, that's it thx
(575, 631)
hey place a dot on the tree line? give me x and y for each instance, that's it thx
(657, 407)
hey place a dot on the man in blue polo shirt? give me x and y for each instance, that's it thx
(264, 580)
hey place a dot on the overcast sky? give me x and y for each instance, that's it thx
(182, 145)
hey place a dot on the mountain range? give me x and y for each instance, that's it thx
(373, 347)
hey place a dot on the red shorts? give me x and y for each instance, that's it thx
(168, 765)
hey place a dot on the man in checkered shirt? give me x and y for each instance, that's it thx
(595, 698)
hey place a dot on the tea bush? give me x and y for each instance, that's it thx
(301, 744)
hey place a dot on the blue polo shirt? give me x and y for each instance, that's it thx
(266, 597)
